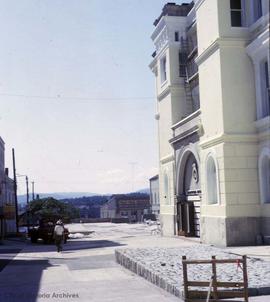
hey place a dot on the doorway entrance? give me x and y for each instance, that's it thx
(189, 202)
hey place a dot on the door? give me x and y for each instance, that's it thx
(185, 219)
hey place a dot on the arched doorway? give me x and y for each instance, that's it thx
(189, 195)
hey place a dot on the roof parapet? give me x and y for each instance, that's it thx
(172, 9)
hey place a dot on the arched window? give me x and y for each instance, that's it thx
(166, 189)
(264, 172)
(212, 192)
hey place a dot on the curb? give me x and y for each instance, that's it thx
(156, 279)
(147, 274)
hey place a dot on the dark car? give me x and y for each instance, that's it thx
(45, 232)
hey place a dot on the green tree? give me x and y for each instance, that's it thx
(52, 209)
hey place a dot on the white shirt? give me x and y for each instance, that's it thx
(59, 230)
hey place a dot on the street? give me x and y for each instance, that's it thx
(86, 270)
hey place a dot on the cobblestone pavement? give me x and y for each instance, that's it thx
(167, 263)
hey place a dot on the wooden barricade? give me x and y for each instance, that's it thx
(214, 294)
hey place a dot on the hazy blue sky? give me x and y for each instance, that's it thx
(71, 49)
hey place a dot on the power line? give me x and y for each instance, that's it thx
(60, 97)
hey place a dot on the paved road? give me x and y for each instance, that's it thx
(85, 271)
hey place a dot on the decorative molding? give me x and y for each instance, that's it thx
(186, 119)
(153, 65)
(219, 43)
(167, 159)
(263, 124)
(164, 93)
(229, 138)
(184, 135)
(259, 43)
(211, 49)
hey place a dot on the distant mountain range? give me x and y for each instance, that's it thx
(61, 195)
(68, 195)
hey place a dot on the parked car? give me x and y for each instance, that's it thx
(45, 232)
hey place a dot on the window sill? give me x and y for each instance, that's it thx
(263, 123)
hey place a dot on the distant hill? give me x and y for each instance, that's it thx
(89, 206)
(70, 195)
(145, 191)
(61, 195)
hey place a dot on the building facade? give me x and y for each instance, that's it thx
(154, 195)
(131, 207)
(211, 65)
(7, 197)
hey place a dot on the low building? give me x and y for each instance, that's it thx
(154, 195)
(131, 207)
(9, 205)
(7, 197)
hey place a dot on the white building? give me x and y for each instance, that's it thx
(154, 195)
(211, 65)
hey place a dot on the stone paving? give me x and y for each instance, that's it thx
(163, 267)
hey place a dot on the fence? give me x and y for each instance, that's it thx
(238, 289)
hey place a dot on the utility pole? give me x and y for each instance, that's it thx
(132, 174)
(15, 190)
(27, 202)
(33, 190)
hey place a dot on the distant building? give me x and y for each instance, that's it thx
(7, 198)
(154, 195)
(130, 206)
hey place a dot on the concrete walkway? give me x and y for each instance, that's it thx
(85, 271)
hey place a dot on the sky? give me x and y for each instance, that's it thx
(77, 98)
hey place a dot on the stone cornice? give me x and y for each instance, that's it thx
(261, 42)
(164, 93)
(167, 159)
(229, 138)
(2, 143)
(219, 43)
(185, 134)
(186, 119)
(153, 65)
(169, 89)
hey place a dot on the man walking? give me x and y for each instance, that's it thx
(59, 235)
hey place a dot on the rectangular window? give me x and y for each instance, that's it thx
(257, 8)
(176, 36)
(236, 13)
(182, 64)
(265, 89)
(163, 70)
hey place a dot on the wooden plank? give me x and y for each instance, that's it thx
(245, 277)
(198, 283)
(210, 261)
(231, 294)
(219, 284)
(214, 276)
(185, 277)
(212, 300)
(202, 294)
